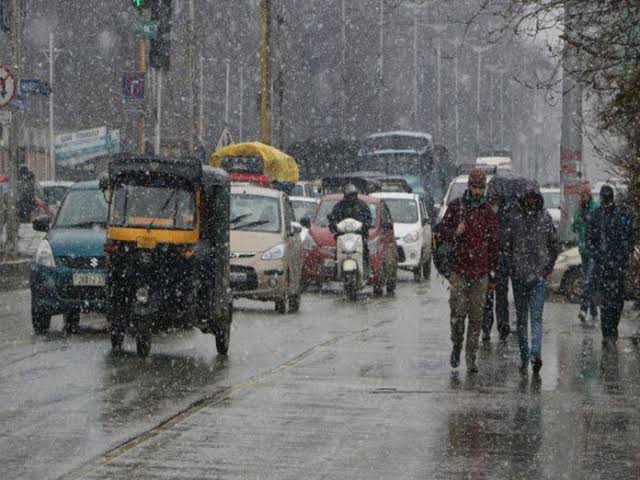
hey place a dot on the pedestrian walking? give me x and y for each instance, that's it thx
(471, 227)
(26, 189)
(581, 220)
(610, 240)
(532, 246)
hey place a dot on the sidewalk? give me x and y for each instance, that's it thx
(15, 273)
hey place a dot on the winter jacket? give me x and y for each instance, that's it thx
(476, 251)
(356, 209)
(581, 219)
(611, 236)
(532, 243)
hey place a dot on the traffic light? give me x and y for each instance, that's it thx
(160, 51)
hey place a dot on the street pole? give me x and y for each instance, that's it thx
(438, 88)
(343, 67)
(241, 121)
(201, 103)
(17, 26)
(191, 79)
(52, 154)
(381, 65)
(265, 71)
(158, 128)
(502, 109)
(142, 68)
(226, 92)
(457, 105)
(479, 86)
(415, 72)
(571, 129)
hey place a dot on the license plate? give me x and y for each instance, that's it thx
(238, 277)
(88, 279)
(148, 243)
(329, 262)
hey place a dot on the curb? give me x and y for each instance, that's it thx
(15, 274)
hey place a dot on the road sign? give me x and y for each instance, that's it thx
(133, 86)
(34, 85)
(144, 28)
(5, 117)
(7, 86)
(77, 147)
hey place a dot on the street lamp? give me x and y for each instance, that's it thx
(479, 50)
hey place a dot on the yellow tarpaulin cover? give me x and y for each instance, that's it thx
(278, 166)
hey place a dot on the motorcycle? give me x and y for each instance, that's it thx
(350, 257)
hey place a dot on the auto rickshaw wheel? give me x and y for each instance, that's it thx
(143, 344)
(71, 322)
(223, 337)
(40, 323)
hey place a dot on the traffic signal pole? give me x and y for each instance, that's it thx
(265, 71)
(141, 66)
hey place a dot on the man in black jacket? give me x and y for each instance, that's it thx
(352, 207)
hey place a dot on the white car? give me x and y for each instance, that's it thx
(551, 198)
(304, 207)
(412, 231)
(566, 277)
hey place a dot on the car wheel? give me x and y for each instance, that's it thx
(281, 305)
(426, 269)
(573, 285)
(40, 322)
(71, 322)
(223, 337)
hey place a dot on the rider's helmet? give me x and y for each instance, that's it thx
(350, 191)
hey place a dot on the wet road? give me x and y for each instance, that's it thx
(339, 390)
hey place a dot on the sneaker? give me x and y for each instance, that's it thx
(582, 316)
(471, 365)
(536, 364)
(455, 357)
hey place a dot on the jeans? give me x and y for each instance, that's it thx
(467, 299)
(529, 301)
(501, 296)
(588, 302)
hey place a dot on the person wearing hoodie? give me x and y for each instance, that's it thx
(532, 247)
(471, 226)
(581, 220)
(610, 240)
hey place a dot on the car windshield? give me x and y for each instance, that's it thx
(298, 190)
(255, 213)
(326, 206)
(403, 210)
(551, 199)
(54, 195)
(457, 190)
(303, 209)
(82, 209)
(242, 164)
(152, 204)
(394, 163)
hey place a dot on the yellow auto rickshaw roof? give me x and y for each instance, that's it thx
(278, 166)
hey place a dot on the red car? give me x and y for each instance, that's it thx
(319, 246)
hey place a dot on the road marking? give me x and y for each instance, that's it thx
(208, 401)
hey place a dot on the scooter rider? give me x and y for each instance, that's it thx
(352, 207)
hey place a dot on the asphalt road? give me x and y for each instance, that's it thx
(339, 390)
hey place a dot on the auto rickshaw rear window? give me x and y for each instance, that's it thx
(153, 204)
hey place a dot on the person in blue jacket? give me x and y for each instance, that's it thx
(611, 235)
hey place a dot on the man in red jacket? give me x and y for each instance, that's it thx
(471, 225)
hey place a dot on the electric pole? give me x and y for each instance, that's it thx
(265, 71)
(15, 129)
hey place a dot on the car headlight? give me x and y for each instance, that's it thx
(411, 237)
(274, 253)
(309, 243)
(44, 255)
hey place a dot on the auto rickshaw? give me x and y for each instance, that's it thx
(257, 163)
(167, 249)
